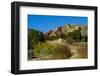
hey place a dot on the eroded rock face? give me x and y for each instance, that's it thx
(64, 30)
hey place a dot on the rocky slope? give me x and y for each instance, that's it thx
(64, 30)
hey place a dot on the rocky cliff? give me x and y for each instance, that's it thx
(64, 30)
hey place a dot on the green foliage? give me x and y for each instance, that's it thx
(33, 38)
(75, 36)
(84, 39)
(42, 49)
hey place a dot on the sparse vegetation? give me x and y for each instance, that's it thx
(54, 51)
(44, 46)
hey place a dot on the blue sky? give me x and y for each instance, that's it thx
(45, 23)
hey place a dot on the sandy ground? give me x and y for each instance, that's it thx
(78, 52)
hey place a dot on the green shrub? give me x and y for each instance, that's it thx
(74, 36)
(42, 49)
(30, 54)
(34, 37)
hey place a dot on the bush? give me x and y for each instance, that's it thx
(84, 39)
(42, 49)
(75, 35)
(34, 37)
(52, 51)
(61, 52)
(30, 54)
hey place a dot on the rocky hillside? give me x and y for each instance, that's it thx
(64, 42)
(64, 30)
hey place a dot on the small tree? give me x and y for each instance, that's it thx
(75, 36)
(33, 38)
